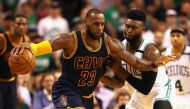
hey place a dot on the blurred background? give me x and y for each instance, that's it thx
(47, 18)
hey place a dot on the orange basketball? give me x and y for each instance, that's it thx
(22, 63)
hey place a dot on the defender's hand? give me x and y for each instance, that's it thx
(164, 60)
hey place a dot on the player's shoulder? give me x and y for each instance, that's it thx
(2, 37)
(3, 42)
(69, 35)
(187, 50)
(151, 52)
(150, 47)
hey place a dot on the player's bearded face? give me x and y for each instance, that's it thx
(20, 25)
(133, 29)
(93, 35)
(131, 37)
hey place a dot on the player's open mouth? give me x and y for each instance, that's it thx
(99, 34)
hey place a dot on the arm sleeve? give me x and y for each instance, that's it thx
(145, 84)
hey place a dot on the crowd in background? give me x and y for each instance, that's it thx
(46, 18)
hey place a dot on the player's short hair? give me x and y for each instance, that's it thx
(94, 10)
(9, 18)
(136, 14)
(178, 30)
(19, 15)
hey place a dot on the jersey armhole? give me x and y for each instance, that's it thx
(106, 43)
(5, 44)
(147, 46)
(75, 48)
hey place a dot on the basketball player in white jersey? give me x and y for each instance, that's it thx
(153, 89)
(179, 70)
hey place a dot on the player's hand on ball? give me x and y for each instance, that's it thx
(21, 48)
(21, 60)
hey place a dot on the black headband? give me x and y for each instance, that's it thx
(178, 31)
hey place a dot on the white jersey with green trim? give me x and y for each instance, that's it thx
(179, 71)
(161, 78)
(163, 88)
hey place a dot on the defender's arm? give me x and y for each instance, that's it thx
(145, 84)
(117, 48)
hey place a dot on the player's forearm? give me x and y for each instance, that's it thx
(139, 64)
(41, 48)
(112, 82)
(145, 84)
(121, 73)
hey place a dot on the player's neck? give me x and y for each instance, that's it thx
(16, 38)
(177, 51)
(92, 43)
(134, 45)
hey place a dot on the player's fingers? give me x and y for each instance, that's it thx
(13, 51)
(169, 58)
(173, 58)
(16, 50)
(28, 48)
(159, 63)
(21, 49)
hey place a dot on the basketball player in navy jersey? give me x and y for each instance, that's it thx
(9, 40)
(84, 61)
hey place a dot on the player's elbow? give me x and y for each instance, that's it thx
(120, 84)
(145, 90)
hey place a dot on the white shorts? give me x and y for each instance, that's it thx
(182, 101)
(141, 101)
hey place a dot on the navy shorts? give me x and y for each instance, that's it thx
(64, 97)
(8, 95)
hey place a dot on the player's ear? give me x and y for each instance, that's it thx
(143, 28)
(85, 20)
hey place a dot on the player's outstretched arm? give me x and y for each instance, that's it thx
(145, 84)
(60, 41)
(117, 48)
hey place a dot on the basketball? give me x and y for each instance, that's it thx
(22, 63)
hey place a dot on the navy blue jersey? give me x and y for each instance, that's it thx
(83, 69)
(4, 66)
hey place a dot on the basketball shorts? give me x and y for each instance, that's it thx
(64, 97)
(8, 95)
(159, 92)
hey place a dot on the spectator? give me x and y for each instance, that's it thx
(158, 40)
(53, 24)
(171, 20)
(121, 98)
(7, 23)
(24, 94)
(43, 98)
